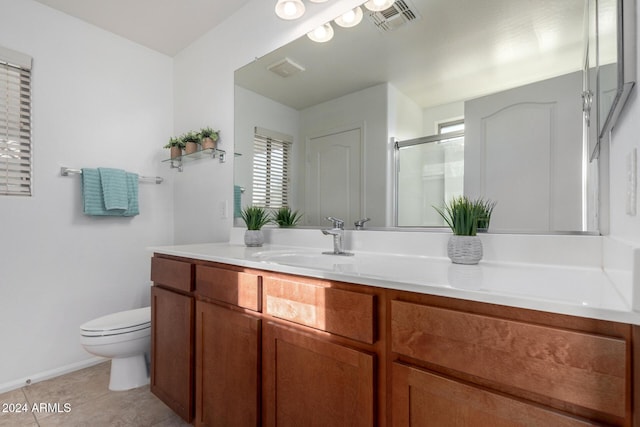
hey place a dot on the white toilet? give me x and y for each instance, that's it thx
(125, 338)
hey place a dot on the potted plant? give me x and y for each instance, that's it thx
(487, 207)
(208, 138)
(255, 217)
(463, 215)
(175, 145)
(286, 218)
(191, 141)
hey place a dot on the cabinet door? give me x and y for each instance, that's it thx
(420, 398)
(172, 350)
(536, 362)
(227, 367)
(312, 382)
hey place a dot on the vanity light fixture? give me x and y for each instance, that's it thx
(351, 18)
(378, 5)
(289, 9)
(322, 34)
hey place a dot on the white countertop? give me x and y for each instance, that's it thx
(574, 290)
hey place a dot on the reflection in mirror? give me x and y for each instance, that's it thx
(429, 171)
(607, 78)
(510, 70)
(616, 64)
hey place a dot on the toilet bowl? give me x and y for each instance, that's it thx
(124, 337)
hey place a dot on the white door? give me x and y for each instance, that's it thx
(334, 177)
(529, 143)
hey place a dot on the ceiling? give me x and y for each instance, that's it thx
(166, 26)
(454, 50)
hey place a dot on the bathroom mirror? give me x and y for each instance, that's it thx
(507, 67)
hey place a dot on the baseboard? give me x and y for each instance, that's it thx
(52, 373)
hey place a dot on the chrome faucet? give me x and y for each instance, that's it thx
(359, 224)
(337, 231)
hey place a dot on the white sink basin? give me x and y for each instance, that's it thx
(309, 259)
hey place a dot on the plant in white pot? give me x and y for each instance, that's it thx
(463, 216)
(255, 217)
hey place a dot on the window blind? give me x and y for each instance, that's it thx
(15, 123)
(270, 169)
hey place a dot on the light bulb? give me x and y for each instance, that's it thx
(321, 34)
(378, 5)
(350, 18)
(289, 9)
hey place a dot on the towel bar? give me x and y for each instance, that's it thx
(65, 171)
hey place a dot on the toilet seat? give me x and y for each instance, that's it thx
(123, 322)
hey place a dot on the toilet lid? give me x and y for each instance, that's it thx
(118, 323)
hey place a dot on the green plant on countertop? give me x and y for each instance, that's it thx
(209, 133)
(464, 215)
(175, 142)
(255, 217)
(286, 218)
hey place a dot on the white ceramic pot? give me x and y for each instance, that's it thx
(253, 238)
(464, 249)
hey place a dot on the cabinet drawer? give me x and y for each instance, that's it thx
(346, 313)
(173, 274)
(232, 287)
(578, 368)
(423, 398)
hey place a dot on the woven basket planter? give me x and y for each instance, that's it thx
(253, 238)
(464, 249)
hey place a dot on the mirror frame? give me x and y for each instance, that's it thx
(626, 69)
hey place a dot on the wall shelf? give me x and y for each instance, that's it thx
(210, 153)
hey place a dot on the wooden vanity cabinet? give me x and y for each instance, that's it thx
(228, 347)
(481, 364)
(244, 347)
(172, 334)
(310, 381)
(319, 361)
(423, 398)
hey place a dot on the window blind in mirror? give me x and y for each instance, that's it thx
(271, 151)
(15, 123)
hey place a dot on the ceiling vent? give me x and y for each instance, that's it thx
(398, 15)
(285, 68)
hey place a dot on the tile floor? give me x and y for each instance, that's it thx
(83, 398)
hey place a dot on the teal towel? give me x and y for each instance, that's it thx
(93, 197)
(237, 201)
(114, 189)
(92, 200)
(132, 195)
